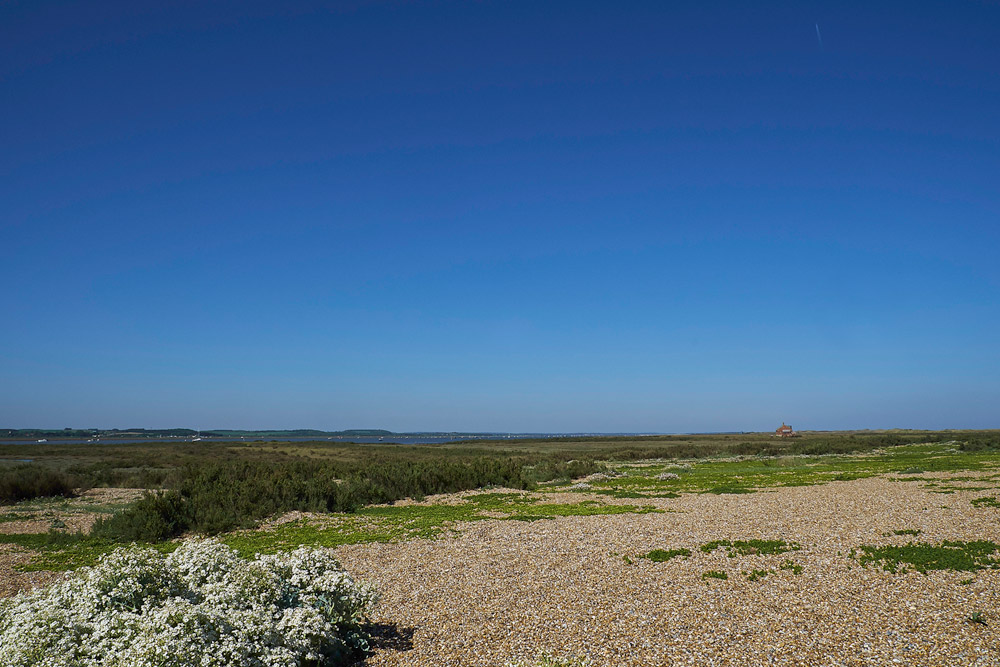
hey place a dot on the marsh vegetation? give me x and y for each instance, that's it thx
(217, 488)
(273, 498)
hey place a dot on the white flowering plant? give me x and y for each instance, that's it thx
(201, 606)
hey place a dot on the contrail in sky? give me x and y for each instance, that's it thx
(819, 37)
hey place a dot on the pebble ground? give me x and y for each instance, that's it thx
(503, 592)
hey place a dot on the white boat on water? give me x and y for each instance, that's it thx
(43, 440)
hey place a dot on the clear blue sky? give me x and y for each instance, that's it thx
(525, 216)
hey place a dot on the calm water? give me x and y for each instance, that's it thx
(404, 440)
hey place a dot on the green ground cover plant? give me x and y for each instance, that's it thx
(985, 501)
(948, 555)
(728, 488)
(791, 566)
(726, 474)
(714, 574)
(663, 555)
(394, 523)
(62, 551)
(736, 548)
(977, 617)
(547, 660)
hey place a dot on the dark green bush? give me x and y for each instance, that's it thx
(980, 444)
(33, 481)
(223, 496)
(152, 518)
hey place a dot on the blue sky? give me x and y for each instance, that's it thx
(513, 216)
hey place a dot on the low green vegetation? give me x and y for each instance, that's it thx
(755, 575)
(547, 660)
(727, 488)
(616, 493)
(220, 487)
(663, 555)
(223, 497)
(977, 617)
(743, 474)
(62, 551)
(948, 555)
(736, 548)
(394, 523)
(986, 501)
(907, 531)
(714, 574)
(791, 566)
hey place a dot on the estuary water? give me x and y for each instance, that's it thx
(385, 440)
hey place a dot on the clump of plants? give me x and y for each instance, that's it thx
(220, 497)
(977, 618)
(547, 660)
(754, 575)
(985, 501)
(663, 555)
(949, 555)
(201, 605)
(714, 574)
(791, 566)
(736, 548)
(908, 531)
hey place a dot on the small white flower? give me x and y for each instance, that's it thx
(200, 606)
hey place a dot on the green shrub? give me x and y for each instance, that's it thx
(154, 517)
(24, 482)
(220, 497)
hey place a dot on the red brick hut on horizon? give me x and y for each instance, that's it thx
(785, 431)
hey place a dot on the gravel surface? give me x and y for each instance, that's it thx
(12, 581)
(506, 591)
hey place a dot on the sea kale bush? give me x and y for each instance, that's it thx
(201, 605)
